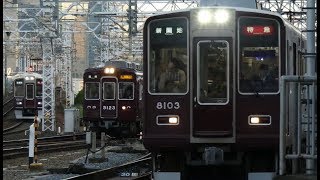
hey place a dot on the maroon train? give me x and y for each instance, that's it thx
(220, 103)
(111, 98)
(27, 91)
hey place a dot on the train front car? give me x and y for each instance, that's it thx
(111, 100)
(212, 87)
(27, 89)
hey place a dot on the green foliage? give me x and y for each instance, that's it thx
(79, 98)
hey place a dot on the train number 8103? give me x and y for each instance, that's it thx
(168, 105)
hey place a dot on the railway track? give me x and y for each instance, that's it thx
(136, 169)
(18, 148)
(12, 127)
(19, 127)
(8, 106)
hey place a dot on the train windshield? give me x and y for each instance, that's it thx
(108, 91)
(18, 88)
(259, 57)
(126, 90)
(92, 90)
(168, 57)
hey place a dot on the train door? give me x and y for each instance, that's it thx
(29, 96)
(212, 110)
(109, 100)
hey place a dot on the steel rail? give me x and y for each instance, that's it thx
(10, 108)
(45, 139)
(22, 151)
(12, 127)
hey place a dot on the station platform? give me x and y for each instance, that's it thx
(296, 177)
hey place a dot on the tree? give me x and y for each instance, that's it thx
(79, 98)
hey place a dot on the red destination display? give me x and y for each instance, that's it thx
(257, 30)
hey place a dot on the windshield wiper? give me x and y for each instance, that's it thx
(256, 89)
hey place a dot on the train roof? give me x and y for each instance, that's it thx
(24, 74)
(261, 11)
(225, 7)
(101, 69)
(243, 9)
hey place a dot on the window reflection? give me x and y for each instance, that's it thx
(168, 57)
(29, 91)
(18, 88)
(92, 90)
(213, 70)
(126, 90)
(108, 90)
(259, 57)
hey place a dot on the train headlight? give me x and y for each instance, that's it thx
(167, 120)
(39, 103)
(29, 78)
(254, 120)
(221, 16)
(259, 120)
(213, 17)
(19, 103)
(125, 107)
(204, 16)
(173, 120)
(109, 70)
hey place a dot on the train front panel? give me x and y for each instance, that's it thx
(28, 95)
(213, 79)
(110, 98)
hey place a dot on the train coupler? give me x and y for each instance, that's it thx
(212, 156)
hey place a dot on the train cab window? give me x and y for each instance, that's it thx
(126, 90)
(259, 56)
(18, 88)
(213, 70)
(108, 90)
(168, 56)
(29, 91)
(92, 90)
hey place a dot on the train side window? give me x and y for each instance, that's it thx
(259, 56)
(29, 91)
(39, 87)
(108, 90)
(92, 90)
(126, 90)
(18, 88)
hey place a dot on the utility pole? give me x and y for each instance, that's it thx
(132, 21)
(5, 63)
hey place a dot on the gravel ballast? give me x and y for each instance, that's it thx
(17, 169)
